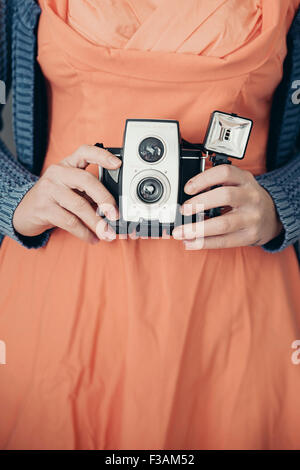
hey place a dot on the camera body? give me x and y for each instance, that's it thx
(156, 165)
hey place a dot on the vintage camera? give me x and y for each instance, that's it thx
(156, 165)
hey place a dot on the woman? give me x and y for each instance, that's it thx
(181, 343)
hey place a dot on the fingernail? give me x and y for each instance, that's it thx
(177, 233)
(110, 234)
(110, 237)
(114, 161)
(189, 187)
(113, 214)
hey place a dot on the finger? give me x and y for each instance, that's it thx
(231, 240)
(80, 180)
(189, 231)
(228, 223)
(77, 205)
(89, 154)
(109, 210)
(219, 197)
(222, 174)
(60, 217)
(104, 231)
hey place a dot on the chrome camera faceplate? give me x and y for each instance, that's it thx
(138, 164)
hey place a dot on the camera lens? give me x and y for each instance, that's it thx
(151, 149)
(150, 190)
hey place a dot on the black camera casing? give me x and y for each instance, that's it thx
(189, 165)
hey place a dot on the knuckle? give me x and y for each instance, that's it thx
(83, 149)
(84, 175)
(256, 217)
(49, 216)
(84, 179)
(45, 185)
(255, 197)
(253, 233)
(226, 171)
(51, 172)
(71, 221)
(80, 204)
(46, 191)
(227, 196)
(224, 225)
(107, 199)
(249, 176)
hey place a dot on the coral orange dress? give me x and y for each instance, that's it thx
(139, 344)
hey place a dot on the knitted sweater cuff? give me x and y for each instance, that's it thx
(283, 186)
(10, 200)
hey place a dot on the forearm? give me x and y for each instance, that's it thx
(283, 185)
(15, 182)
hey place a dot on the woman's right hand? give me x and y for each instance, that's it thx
(67, 196)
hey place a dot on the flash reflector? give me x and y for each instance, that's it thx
(228, 134)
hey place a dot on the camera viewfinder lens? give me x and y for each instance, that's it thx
(151, 150)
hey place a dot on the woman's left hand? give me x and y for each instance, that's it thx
(252, 220)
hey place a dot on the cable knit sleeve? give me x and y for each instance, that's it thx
(15, 180)
(283, 185)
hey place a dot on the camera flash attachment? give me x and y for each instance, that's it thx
(228, 135)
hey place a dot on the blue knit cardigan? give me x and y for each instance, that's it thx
(18, 66)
